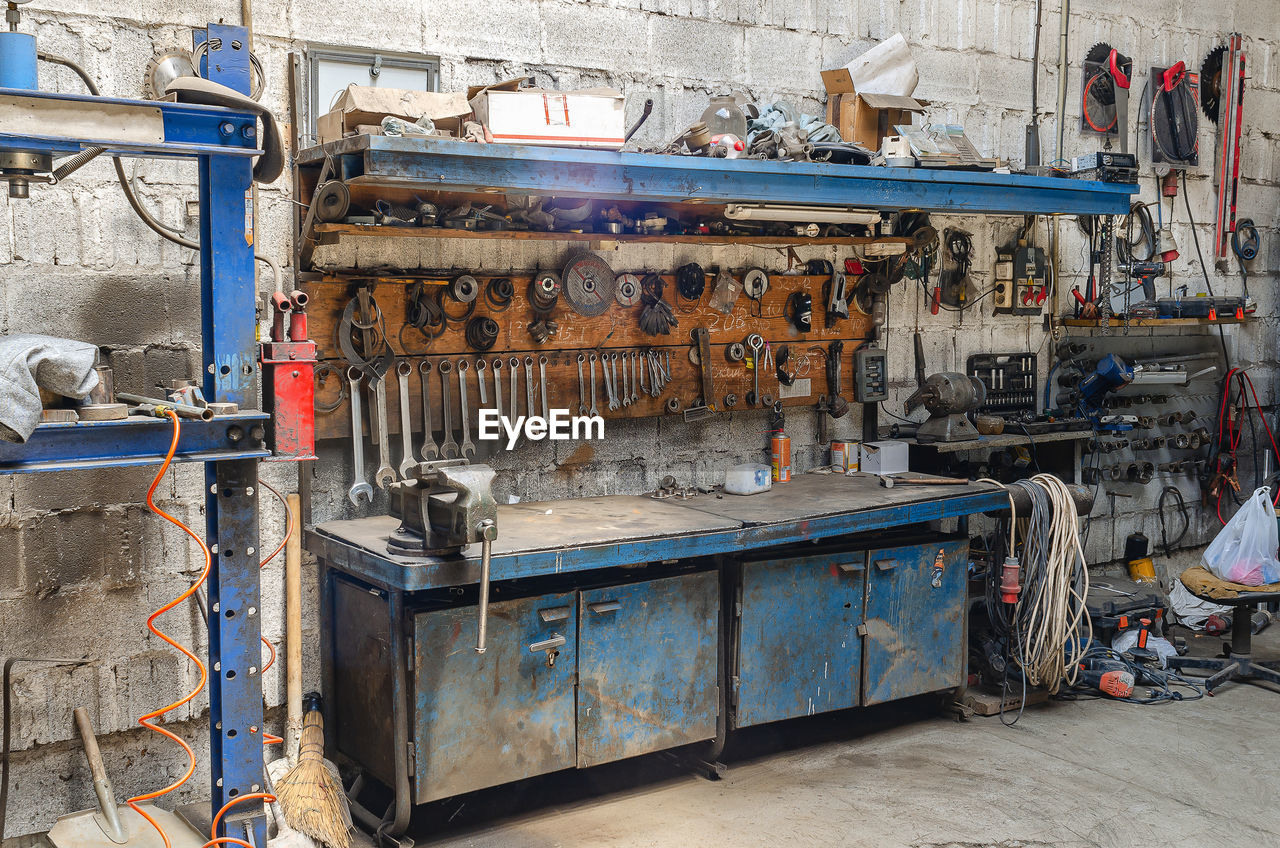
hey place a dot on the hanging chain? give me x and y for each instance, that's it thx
(1104, 276)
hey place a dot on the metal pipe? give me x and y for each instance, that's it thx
(1062, 76)
(158, 408)
(101, 780)
(293, 630)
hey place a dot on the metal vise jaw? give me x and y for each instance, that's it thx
(445, 506)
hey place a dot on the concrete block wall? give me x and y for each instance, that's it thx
(82, 562)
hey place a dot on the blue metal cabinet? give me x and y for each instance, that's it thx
(798, 649)
(485, 719)
(647, 666)
(914, 629)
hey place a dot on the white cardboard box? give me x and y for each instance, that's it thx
(591, 118)
(888, 457)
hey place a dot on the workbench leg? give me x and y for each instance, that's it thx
(401, 693)
(235, 652)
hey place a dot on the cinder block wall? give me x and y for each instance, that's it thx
(82, 562)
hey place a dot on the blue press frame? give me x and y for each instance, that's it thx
(224, 142)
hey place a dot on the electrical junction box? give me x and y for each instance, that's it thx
(1021, 281)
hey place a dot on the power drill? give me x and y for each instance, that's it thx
(1108, 676)
(1147, 273)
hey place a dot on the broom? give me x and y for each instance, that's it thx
(310, 796)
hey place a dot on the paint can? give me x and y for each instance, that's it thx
(845, 456)
(780, 452)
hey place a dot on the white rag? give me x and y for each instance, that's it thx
(29, 363)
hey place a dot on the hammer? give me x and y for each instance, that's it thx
(890, 482)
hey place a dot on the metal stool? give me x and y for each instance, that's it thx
(1238, 663)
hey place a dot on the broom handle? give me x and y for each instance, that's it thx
(293, 631)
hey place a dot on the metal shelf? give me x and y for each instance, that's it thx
(133, 441)
(331, 233)
(449, 165)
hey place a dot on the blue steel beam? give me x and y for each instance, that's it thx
(188, 129)
(134, 441)
(442, 572)
(228, 292)
(449, 165)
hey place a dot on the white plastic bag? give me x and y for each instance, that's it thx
(1245, 550)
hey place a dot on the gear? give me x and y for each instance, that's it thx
(1211, 83)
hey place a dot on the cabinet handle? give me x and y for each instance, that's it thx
(849, 567)
(547, 644)
(605, 606)
(553, 614)
(886, 564)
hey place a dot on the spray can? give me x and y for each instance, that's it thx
(780, 451)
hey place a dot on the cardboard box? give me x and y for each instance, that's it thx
(868, 118)
(887, 457)
(365, 105)
(589, 118)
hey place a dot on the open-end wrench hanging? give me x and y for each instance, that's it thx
(360, 489)
(528, 385)
(403, 369)
(625, 398)
(608, 383)
(643, 367)
(429, 450)
(468, 446)
(635, 395)
(515, 388)
(756, 343)
(481, 367)
(594, 410)
(449, 447)
(613, 381)
(385, 475)
(582, 387)
(497, 384)
(542, 377)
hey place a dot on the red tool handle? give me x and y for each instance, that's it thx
(937, 300)
(1171, 77)
(1117, 74)
(1075, 292)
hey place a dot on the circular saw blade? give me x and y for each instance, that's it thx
(1098, 53)
(588, 284)
(1211, 83)
(628, 289)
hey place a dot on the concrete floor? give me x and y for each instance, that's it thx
(1070, 774)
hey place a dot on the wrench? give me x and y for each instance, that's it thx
(626, 381)
(449, 447)
(528, 385)
(634, 394)
(613, 381)
(360, 488)
(468, 446)
(542, 376)
(385, 475)
(593, 412)
(497, 384)
(582, 387)
(403, 370)
(515, 388)
(756, 343)
(481, 367)
(642, 365)
(429, 450)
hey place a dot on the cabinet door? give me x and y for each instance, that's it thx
(647, 665)
(914, 629)
(491, 718)
(798, 647)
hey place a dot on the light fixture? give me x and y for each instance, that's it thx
(801, 214)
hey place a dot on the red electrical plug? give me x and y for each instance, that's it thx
(1009, 588)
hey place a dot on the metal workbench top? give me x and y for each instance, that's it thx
(555, 537)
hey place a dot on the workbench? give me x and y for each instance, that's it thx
(624, 625)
